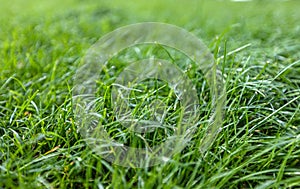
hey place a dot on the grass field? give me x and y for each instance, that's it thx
(256, 45)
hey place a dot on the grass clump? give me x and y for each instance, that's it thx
(256, 45)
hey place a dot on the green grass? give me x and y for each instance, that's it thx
(256, 45)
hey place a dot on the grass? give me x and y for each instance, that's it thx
(256, 44)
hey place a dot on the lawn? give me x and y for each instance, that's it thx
(256, 45)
